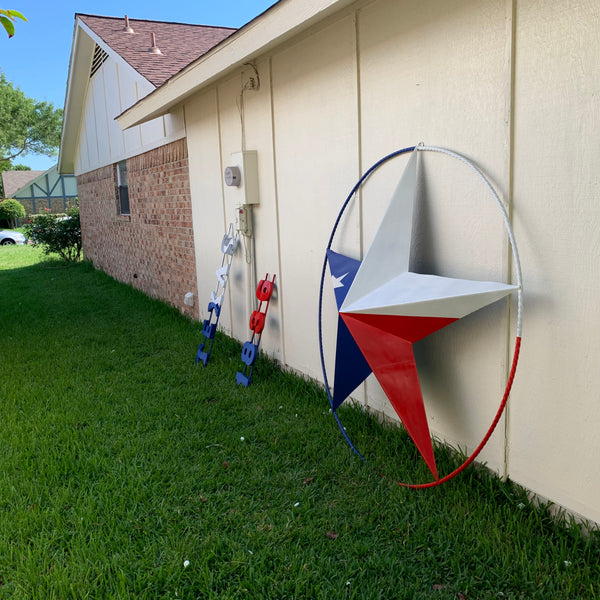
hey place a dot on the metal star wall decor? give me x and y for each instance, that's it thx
(384, 308)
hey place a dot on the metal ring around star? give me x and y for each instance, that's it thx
(518, 276)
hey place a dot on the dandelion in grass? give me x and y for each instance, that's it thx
(186, 564)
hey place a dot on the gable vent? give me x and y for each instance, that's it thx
(100, 57)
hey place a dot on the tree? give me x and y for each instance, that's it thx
(26, 125)
(7, 19)
(10, 211)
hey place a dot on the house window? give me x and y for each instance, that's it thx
(123, 189)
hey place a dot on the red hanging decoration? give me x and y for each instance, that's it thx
(264, 292)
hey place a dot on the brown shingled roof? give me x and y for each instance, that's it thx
(13, 181)
(179, 43)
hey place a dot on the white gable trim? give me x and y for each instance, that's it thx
(82, 51)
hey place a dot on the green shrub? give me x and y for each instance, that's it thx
(57, 233)
(10, 211)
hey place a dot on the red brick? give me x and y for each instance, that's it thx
(156, 242)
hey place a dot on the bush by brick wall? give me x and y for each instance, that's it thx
(153, 247)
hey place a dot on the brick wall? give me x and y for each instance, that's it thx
(153, 247)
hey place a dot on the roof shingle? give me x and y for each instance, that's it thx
(179, 43)
(13, 181)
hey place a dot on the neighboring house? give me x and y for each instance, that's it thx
(44, 190)
(133, 186)
(321, 90)
(13, 181)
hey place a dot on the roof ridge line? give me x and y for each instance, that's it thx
(121, 18)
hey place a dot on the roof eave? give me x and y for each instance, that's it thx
(281, 22)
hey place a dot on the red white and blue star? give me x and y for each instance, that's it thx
(384, 308)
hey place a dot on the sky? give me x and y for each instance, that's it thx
(36, 59)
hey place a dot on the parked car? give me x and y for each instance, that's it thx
(7, 236)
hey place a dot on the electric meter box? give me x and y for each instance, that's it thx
(247, 163)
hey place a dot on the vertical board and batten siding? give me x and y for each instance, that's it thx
(555, 413)
(259, 135)
(315, 132)
(428, 73)
(114, 87)
(513, 86)
(206, 192)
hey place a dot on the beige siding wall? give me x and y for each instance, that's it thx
(438, 75)
(511, 85)
(316, 159)
(555, 414)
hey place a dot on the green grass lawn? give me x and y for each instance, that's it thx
(128, 471)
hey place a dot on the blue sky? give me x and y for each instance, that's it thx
(36, 59)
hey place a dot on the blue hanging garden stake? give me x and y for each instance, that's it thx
(264, 291)
(209, 326)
